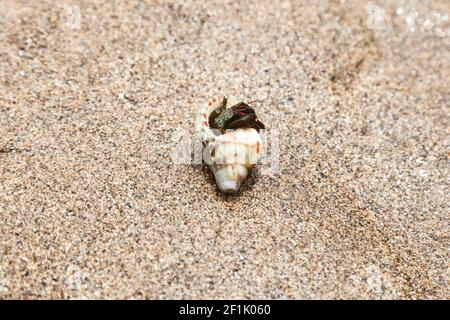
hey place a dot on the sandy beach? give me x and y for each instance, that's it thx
(93, 206)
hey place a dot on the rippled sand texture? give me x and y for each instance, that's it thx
(92, 206)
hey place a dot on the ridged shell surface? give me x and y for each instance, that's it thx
(230, 156)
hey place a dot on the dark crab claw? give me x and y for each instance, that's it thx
(243, 116)
(258, 125)
(240, 121)
(240, 115)
(242, 109)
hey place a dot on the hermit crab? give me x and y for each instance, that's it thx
(229, 132)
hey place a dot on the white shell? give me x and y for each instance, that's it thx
(230, 156)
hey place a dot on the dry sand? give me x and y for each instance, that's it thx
(91, 205)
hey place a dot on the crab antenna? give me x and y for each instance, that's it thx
(254, 101)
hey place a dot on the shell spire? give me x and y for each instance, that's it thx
(229, 131)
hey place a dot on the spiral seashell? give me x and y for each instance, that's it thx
(230, 154)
